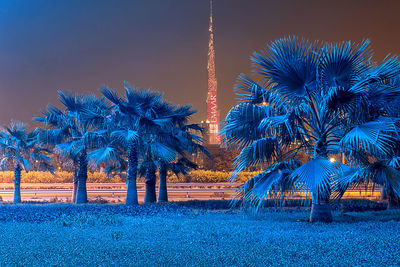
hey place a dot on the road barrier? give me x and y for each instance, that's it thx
(176, 191)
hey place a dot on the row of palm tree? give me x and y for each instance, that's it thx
(322, 118)
(137, 133)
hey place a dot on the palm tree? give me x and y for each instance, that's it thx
(182, 166)
(143, 126)
(182, 137)
(179, 141)
(135, 123)
(73, 132)
(309, 102)
(151, 131)
(20, 148)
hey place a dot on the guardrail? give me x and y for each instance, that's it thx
(116, 185)
(123, 185)
(175, 190)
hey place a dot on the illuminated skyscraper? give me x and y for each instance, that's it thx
(212, 106)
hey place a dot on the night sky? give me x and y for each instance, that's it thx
(81, 45)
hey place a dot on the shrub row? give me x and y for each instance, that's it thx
(195, 176)
(204, 176)
(58, 177)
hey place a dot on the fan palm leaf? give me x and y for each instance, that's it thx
(374, 136)
(290, 63)
(315, 177)
(261, 151)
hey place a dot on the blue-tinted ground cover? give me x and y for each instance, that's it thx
(177, 235)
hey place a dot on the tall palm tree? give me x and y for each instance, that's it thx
(309, 101)
(20, 148)
(73, 133)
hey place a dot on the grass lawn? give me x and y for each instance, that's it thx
(205, 238)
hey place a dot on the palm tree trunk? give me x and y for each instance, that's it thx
(393, 202)
(383, 193)
(150, 196)
(321, 211)
(75, 182)
(17, 183)
(162, 190)
(81, 196)
(131, 193)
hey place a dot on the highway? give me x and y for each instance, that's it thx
(115, 192)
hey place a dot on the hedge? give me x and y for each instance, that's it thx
(58, 177)
(195, 176)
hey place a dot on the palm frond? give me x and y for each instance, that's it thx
(162, 151)
(125, 136)
(290, 63)
(111, 95)
(261, 151)
(389, 68)
(68, 150)
(51, 136)
(249, 91)
(315, 177)
(106, 155)
(240, 126)
(346, 177)
(69, 100)
(373, 136)
(394, 162)
(341, 64)
(95, 138)
(51, 116)
(272, 183)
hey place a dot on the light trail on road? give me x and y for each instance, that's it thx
(114, 192)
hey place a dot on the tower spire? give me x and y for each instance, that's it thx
(211, 14)
(212, 106)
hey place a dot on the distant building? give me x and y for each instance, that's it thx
(206, 134)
